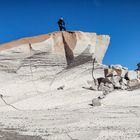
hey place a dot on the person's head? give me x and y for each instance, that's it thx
(138, 64)
(61, 18)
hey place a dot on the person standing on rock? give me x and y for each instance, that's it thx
(61, 24)
(138, 67)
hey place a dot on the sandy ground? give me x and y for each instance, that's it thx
(118, 120)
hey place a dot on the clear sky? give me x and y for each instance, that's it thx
(118, 18)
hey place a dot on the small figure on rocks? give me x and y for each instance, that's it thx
(61, 24)
(138, 65)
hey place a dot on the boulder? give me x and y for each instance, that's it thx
(123, 72)
(133, 82)
(61, 87)
(123, 86)
(119, 67)
(106, 88)
(104, 80)
(117, 86)
(110, 86)
(119, 70)
(108, 72)
(131, 75)
(124, 81)
(101, 96)
(101, 87)
(116, 79)
(96, 102)
(115, 72)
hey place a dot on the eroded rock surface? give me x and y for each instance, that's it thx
(60, 48)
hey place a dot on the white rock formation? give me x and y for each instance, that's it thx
(65, 47)
(36, 65)
(132, 75)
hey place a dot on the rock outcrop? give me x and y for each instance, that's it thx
(63, 47)
(108, 78)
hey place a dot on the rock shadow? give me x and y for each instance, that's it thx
(83, 58)
(68, 52)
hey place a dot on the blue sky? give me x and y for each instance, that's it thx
(118, 18)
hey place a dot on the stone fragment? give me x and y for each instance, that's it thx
(123, 86)
(108, 72)
(96, 102)
(131, 75)
(105, 88)
(134, 82)
(124, 81)
(123, 72)
(101, 96)
(110, 86)
(119, 67)
(116, 79)
(61, 87)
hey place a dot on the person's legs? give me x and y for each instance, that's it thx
(64, 28)
(60, 28)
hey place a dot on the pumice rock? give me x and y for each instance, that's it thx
(68, 48)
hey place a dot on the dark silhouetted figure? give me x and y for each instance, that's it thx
(61, 24)
(138, 65)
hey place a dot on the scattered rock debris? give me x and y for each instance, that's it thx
(61, 87)
(113, 77)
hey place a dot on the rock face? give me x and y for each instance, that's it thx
(114, 77)
(132, 75)
(64, 47)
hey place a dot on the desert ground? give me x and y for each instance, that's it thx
(117, 118)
